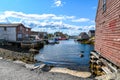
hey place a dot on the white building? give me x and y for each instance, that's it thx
(14, 32)
(91, 33)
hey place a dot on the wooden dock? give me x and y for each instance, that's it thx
(35, 44)
(101, 66)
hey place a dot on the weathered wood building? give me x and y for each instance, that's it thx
(107, 37)
(83, 36)
(14, 32)
(91, 33)
(40, 35)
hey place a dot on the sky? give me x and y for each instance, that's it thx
(67, 16)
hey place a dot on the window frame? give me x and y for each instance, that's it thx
(104, 5)
(21, 27)
(5, 28)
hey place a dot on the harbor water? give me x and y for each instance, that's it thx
(66, 53)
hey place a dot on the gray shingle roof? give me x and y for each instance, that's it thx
(10, 25)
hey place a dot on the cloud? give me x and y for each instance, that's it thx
(46, 22)
(27, 16)
(35, 16)
(58, 18)
(4, 20)
(90, 27)
(58, 3)
(81, 20)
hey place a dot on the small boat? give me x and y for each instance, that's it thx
(53, 41)
(57, 42)
(63, 38)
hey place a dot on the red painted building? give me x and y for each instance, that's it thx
(22, 32)
(107, 37)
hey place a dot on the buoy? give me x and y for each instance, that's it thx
(81, 55)
(82, 51)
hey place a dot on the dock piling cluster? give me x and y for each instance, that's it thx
(99, 66)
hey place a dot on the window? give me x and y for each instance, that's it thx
(26, 29)
(26, 35)
(5, 29)
(104, 1)
(20, 28)
(19, 36)
(104, 5)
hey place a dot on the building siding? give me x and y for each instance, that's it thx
(14, 32)
(24, 31)
(107, 37)
(9, 34)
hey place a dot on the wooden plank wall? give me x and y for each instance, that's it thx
(107, 38)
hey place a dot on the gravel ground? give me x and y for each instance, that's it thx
(12, 71)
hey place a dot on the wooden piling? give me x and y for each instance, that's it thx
(100, 66)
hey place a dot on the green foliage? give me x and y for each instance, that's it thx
(89, 41)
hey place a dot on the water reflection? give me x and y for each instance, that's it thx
(65, 53)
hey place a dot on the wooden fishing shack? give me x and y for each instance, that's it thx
(18, 35)
(107, 37)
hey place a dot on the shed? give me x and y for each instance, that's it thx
(107, 37)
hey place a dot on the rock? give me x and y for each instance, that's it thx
(71, 72)
(14, 55)
(29, 66)
(1, 57)
(19, 62)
